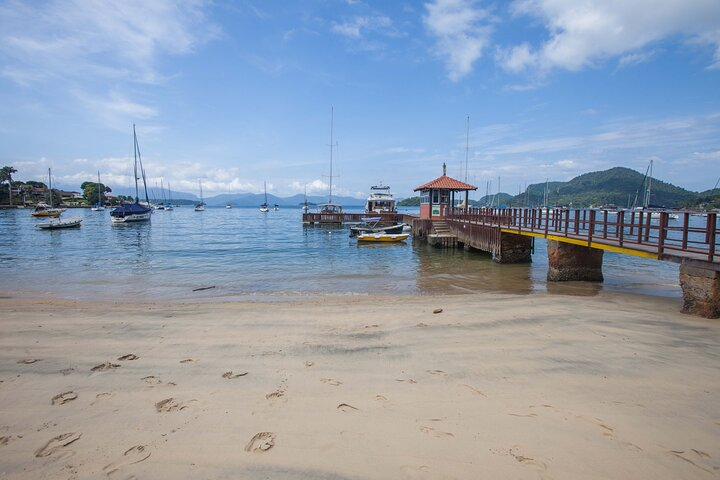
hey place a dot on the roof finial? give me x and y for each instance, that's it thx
(444, 169)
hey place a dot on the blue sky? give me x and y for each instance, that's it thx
(238, 93)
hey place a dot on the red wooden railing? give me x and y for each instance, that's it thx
(655, 232)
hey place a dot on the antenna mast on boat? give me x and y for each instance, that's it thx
(467, 145)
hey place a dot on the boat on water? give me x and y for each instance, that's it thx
(276, 207)
(373, 225)
(380, 200)
(200, 207)
(305, 206)
(264, 206)
(43, 209)
(228, 205)
(134, 212)
(330, 208)
(169, 205)
(100, 205)
(654, 210)
(382, 237)
(59, 223)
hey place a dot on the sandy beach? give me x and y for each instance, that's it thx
(493, 386)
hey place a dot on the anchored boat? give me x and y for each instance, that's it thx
(134, 212)
(382, 237)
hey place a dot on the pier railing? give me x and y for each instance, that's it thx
(665, 233)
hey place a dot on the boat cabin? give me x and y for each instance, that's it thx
(380, 200)
(330, 208)
(439, 195)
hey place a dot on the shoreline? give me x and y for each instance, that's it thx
(498, 385)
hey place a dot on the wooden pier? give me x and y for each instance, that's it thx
(577, 239)
(342, 218)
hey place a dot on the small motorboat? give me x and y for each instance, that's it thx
(372, 225)
(57, 224)
(382, 237)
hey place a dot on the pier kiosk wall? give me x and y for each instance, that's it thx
(701, 291)
(570, 262)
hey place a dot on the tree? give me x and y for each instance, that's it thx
(91, 189)
(6, 176)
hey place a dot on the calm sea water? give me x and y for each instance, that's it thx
(246, 254)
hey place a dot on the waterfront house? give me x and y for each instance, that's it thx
(437, 196)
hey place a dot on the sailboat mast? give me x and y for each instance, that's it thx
(100, 202)
(135, 170)
(467, 145)
(649, 188)
(332, 110)
(50, 187)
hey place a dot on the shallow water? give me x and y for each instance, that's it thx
(247, 254)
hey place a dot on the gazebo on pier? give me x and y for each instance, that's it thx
(438, 196)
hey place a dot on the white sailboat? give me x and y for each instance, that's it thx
(200, 207)
(45, 210)
(134, 212)
(305, 207)
(100, 205)
(330, 207)
(647, 206)
(169, 205)
(264, 207)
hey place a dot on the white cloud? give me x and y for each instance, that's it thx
(107, 38)
(460, 34)
(585, 33)
(316, 187)
(359, 24)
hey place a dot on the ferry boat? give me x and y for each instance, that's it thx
(380, 200)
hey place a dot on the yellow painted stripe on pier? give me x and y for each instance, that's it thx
(584, 243)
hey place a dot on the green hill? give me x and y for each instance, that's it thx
(618, 186)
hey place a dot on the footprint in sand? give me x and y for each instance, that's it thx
(345, 407)
(171, 405)
(56, 445)
(698, 456)
(188, 360)
(409, 380)
(435, 433)
(129, 356)
(67, 371)
(309, 364)
(132, 455)
(437, 372)
(472, 389)
(261, 442)
(29, 361)
(537, 465)
(229, 375)
(63, 398)
(275, 395)
(105, 367)
(4, 440)
(330, 381)
(101, 396)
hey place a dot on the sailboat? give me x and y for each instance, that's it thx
(134, 212)
(99, 206)
(200, 207)
(43, 209)
(330, 207)
(169, 205)
(305, 207)
(264, 207)
(647, 206)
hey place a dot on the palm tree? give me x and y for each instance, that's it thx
(6, 176)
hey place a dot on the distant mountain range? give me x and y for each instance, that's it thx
(246, 199)
(617, 186)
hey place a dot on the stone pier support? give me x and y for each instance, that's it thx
(514, 249)
(569, 262)
(701, 291)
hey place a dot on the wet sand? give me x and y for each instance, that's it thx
(493, 386)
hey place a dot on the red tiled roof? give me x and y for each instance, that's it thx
(446, 182)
